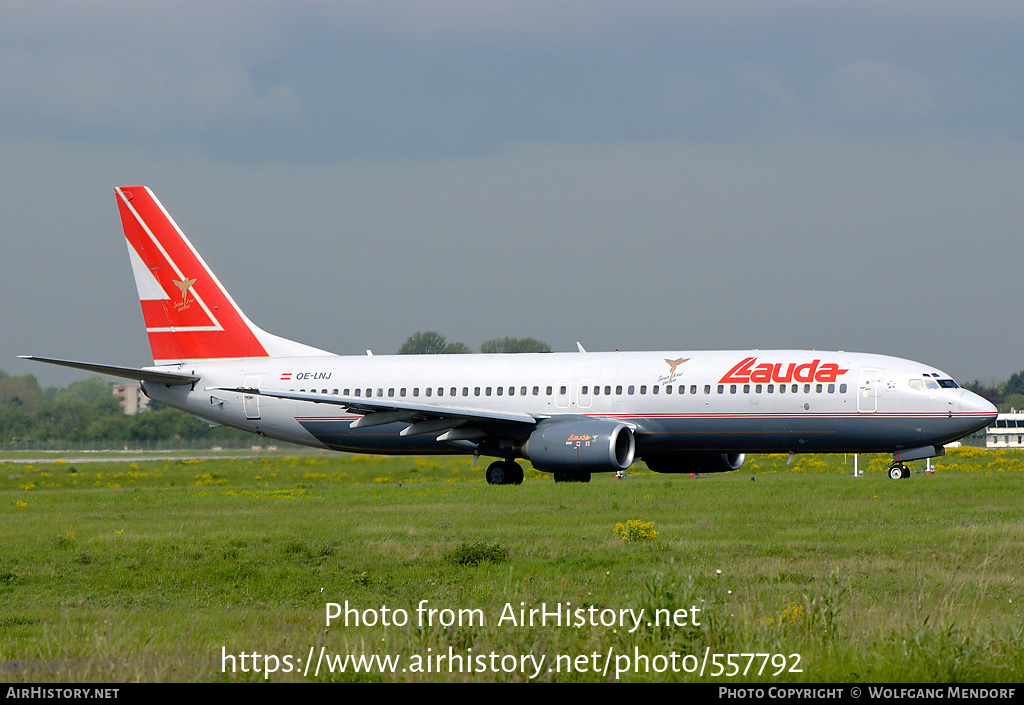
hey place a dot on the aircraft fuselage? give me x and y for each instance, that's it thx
(721, 401)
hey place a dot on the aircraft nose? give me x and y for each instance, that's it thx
(977, 406)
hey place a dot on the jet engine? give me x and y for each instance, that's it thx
(695, 462)
(584, 445)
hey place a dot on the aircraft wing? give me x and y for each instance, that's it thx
(139, 373)
(421, 418)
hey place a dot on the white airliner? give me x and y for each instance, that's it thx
(571, 414)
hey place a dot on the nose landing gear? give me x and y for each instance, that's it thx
(899, 471)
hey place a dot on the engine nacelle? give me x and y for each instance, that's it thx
(695, 462)
(586, 445)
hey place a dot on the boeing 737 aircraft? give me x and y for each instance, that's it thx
(571, 414)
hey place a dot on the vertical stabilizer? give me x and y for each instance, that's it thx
(189, 316)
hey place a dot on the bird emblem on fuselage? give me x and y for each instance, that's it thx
(673, 364)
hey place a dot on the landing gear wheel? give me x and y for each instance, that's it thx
(497, 473)
(504, 472)
(898, 471)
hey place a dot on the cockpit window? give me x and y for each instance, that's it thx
(931, 383)
(917, 384)
(948, 384)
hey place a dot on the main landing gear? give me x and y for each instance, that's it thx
(899, 471)
(505, 472)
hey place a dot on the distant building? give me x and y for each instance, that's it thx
(131, 397)
(1007, 431)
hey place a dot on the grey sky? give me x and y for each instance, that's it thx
(648, 175)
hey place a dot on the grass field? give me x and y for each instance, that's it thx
(149, 571)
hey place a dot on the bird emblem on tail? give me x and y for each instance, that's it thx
(184, 285)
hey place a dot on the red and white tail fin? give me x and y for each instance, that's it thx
(189, 316)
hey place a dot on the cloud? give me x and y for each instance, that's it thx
(870, 92)
(339, 81)
(116, 69)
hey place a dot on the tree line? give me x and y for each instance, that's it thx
(87, 410)
(432, 343)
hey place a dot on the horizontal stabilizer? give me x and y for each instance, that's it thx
(141, 374)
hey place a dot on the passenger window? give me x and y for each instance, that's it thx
(782, 389)
(358, 391)
(668, 389)
(757, 389)
(597, 390)
(487, 392)
(632, 389)
(536, 391)
(415, 391)
(347, 392)
(795, 389)
(476, 391)
(707, 389)
(562, 389)
(607, 389)
(391, 392)
(654, 389)
(831, 389)
(643, 389)
(402, 393)
(429, 391)
(454, 391)
(746, 389)
(842, 389)
(334, 392)
(501, 391)
(771, 388)
(465, 391)
(818, 389)
(522, 391)
(550, 391)
(721, 389)
(585, 390)
(732, 389)
(693, 389)
(511, 391)
(807, 389)
(618, 389)
(380, 391)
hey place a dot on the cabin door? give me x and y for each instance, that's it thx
(251, 402)
(867, 391)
